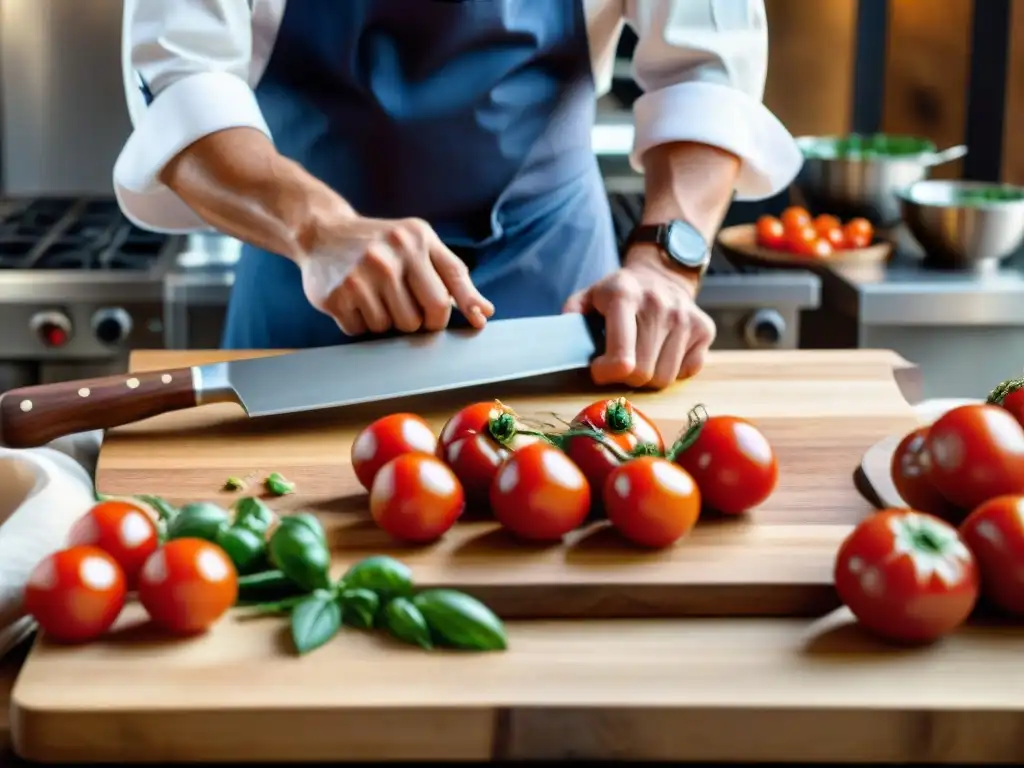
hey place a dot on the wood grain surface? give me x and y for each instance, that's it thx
(675, 689)
(819, 410)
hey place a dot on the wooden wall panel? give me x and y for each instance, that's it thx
(927, 68)
(1013, 127)
(810, 64)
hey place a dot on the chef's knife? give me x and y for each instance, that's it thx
(327, 377)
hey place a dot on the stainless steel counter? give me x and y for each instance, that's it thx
(965, 331)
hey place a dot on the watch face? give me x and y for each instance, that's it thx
(686, 245)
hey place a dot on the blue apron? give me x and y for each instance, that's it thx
(474, 115)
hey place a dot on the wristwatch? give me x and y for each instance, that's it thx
(679, 240)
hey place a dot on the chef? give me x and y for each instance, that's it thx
(386, 161)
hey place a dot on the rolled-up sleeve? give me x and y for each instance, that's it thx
(702, 66)
(186, 66)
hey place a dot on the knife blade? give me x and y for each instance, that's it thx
(327, 377)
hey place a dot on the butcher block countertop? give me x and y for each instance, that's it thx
(809, 689)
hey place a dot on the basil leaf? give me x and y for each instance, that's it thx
(315, 621)
(278, 485)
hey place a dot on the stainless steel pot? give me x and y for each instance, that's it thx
(851, 184)
(958, 234)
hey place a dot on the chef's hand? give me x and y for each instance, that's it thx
(378, 274)
(654, 331)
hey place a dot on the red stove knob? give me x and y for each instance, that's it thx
(52, 328)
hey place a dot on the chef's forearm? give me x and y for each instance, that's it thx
(688, 181)
(238, 182)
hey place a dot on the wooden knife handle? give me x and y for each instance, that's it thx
(33, 416)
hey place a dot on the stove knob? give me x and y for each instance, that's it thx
(111, 326)
(52, 328)
(764, 329)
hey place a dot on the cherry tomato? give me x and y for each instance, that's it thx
(907, 576)
(123, 530)
(651, 501)
(1010, 395)
(795, 217)
(416, 497)
(486, 433)
(802, 240)
(834, 237)
(820, 249)
(860, 227)
(539, 494)
(387, 438)
(771, 233)
(732, 463)
(994, 532)
(909, 470)
(977, 453)
(76, 594)
(826, 222)
(187, 585)
(619, 424)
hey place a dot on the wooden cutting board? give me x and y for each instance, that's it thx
(661, 689)
(818, 409)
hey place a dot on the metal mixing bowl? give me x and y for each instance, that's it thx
(847, 176)
(968, 225)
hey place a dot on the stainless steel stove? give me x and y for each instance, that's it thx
(79, 287)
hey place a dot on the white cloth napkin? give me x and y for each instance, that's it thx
(43, 491)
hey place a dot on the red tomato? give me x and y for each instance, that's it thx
(416, 497)
(907, 576)
(802, 240)
(187, 585)
(387, 438)
(826, 222)
(771, 233)
(977, 453)
(733, 464)
(539, 494)
(123, 530)
(995, 534)
(909, 470)
(487, 433)
(1010, 395)
(651, 501)
(834, 237)
(860, 228)
(76, 594)
(795, 217)
(820, 249)
(619, 424)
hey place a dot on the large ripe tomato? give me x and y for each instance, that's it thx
(995, 534)
(187, 585)
(386, 438)
(909, 470)
(651, 501)
(907, 576)
(477, 440)
(1010, 395)
(620, 429)
(76, 594)
(123, 530)
(416, 497)
(977, 453)
(771, 233)
(539, 494)
(733, 464)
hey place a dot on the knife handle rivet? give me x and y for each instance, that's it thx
(26, 405)
(166, 378)
(132, 383)
(84, 392)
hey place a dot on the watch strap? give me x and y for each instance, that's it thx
(648, 233)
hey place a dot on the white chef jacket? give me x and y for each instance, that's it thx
(701, 64)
